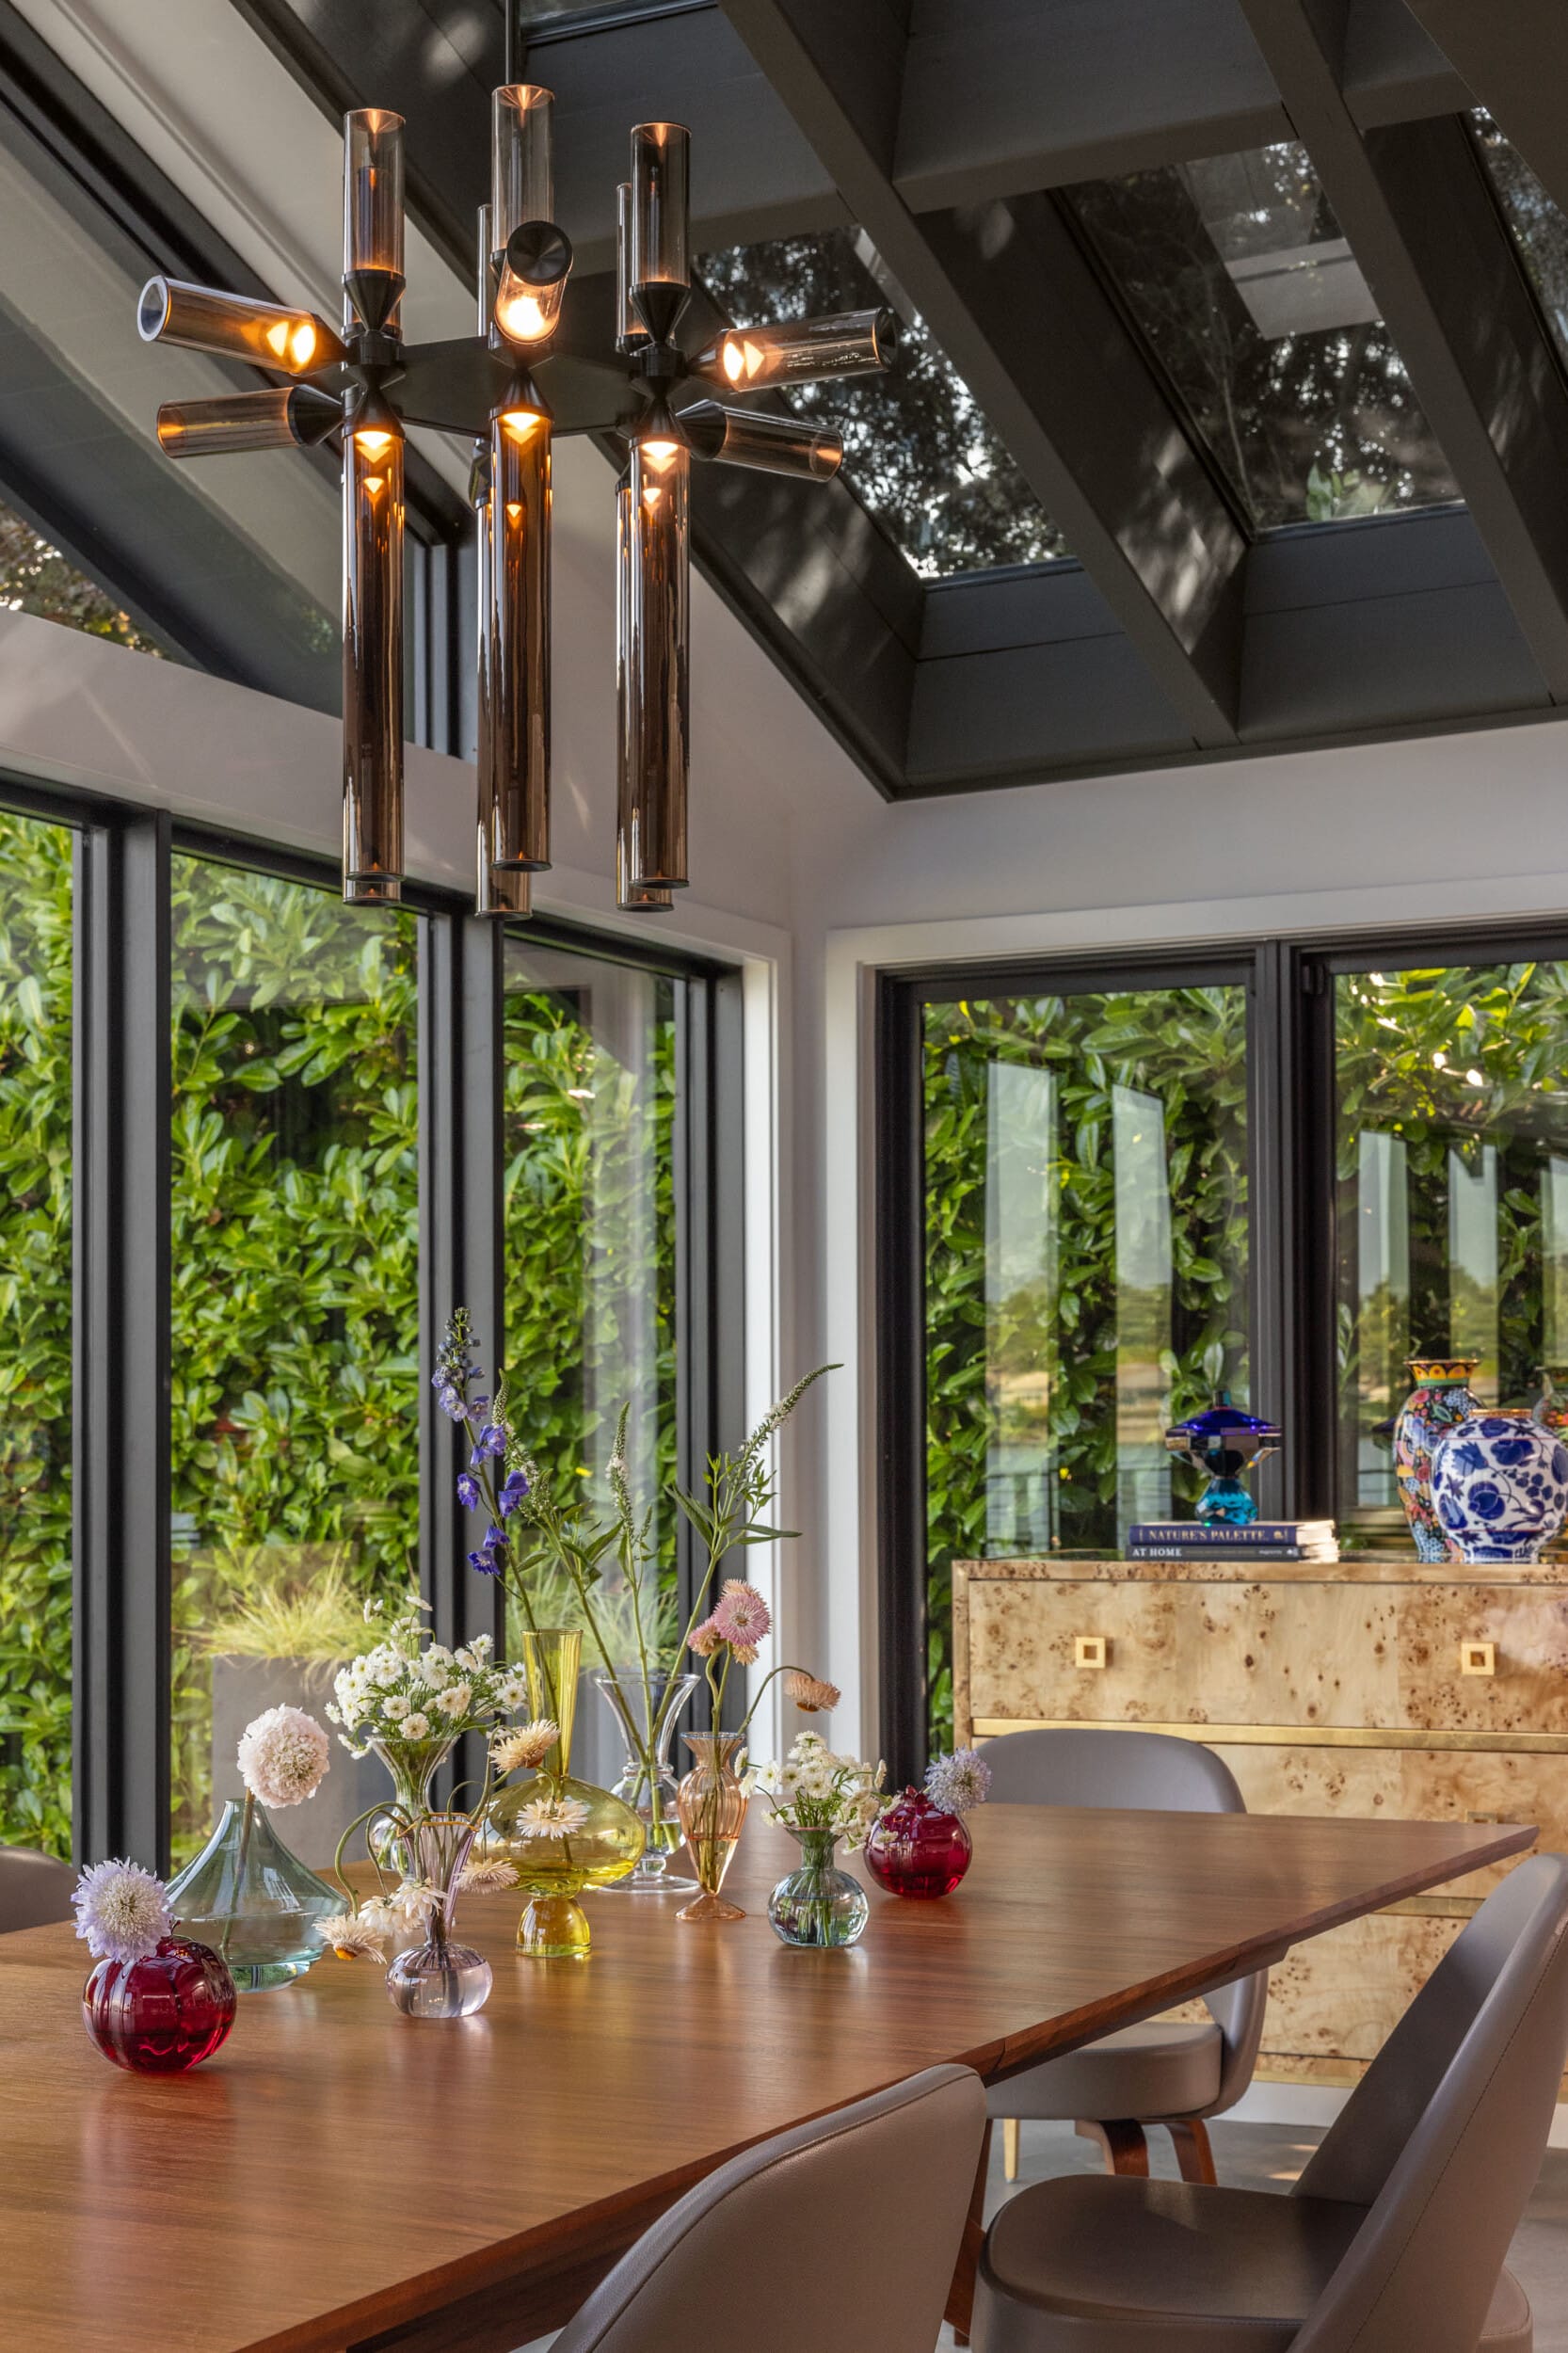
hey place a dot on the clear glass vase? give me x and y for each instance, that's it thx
(647, 1712)
(253, 1901)
(414, 1766)
(712, 1806)
(817, 1904)
(439, 1978)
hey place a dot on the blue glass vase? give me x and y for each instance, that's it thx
(253, 1901)
(817, 1904)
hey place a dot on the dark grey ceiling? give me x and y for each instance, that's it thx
(947, 133)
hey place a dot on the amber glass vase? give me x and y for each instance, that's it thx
(713, 1805)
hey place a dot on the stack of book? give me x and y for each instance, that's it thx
(1263, 1539)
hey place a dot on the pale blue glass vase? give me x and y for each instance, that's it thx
(816, 1904)
(253, 1901)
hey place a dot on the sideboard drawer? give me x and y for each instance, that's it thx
(1270, 1654)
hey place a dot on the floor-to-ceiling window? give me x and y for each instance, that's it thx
(36, 961)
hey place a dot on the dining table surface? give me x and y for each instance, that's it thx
(340, 2176)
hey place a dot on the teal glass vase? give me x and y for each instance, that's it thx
(817, 1904)
(253, 1901)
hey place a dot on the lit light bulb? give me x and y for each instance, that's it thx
(514, 510)
(303, 344)
(659, 453)
(734, 364)
(277, 337)
(521, 423)
(374, 443)
(374, 483)
(523, 319)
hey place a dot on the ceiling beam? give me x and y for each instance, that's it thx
(1015, 306)
(1513, 57)
(1414, 202)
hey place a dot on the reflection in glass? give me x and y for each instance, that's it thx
(1240, 279)
(917, 453)
(36, 1119)
(294, 1211)
(36, 578)
(590, 1240)
(1539, 225)
(1086, 1165)
(1452, 1209)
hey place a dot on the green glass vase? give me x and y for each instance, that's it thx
(253, 1901)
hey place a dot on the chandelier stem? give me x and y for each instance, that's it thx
(658, 566)
(372, 519)
(520, 638)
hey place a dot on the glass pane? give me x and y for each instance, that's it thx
(589, 1207)
(297, 1386)
(918, 453)
(36, 578)
(1452, 1209)
(36, 1319)
(1240, 281)
(1087, 1267)
(1539, 226)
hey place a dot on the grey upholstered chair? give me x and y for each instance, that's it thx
(1393, 2240)
(1171, 2075)
(34, 1889)
(848, 2229)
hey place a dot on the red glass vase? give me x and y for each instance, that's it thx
(162, 2015)
(917, 1850)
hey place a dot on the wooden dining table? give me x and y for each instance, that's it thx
(340, 2176)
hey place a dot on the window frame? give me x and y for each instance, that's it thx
(121, 1191)
(1292, 1211)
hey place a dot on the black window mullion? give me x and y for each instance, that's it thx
(122, 1153)
(901, 1401)
(460, 1043)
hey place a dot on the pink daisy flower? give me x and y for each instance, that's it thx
(741, 1617)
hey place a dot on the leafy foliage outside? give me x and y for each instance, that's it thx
(36, 578)
(1188, 1049)
(918, 453)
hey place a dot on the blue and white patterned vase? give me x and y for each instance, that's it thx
(1499, 1485)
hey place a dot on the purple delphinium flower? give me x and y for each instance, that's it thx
(467, 1491)
(491, 1441)
(512, 1493)
(487, 1563)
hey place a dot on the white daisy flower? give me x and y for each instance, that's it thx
(414, 1727)
(553, 1817)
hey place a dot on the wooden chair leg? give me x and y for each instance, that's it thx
(1122, 2141)
(1011, 2137)
(961, 2294)
(1193, 2156)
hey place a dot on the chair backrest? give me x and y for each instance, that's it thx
(1105, 1765)
(841, 2234)
(34, 1889)
(1444, 2136)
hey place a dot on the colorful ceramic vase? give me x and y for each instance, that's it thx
(1499, 1485)
(163, 2015)
(916, 1849)
(1440, 1398)
(816, 1905)
(1225, 1442)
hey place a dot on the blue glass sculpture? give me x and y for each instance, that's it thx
(1225, 1442)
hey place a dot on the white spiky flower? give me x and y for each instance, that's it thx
(121, 1910)
(552, 1817)
(525, 1746)
(283, 1756)
(486, 1879)
(351, 1935)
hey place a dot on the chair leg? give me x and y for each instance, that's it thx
(1011, 2137)
(1122, 2140)
(1193, 2156)
(961, 2294)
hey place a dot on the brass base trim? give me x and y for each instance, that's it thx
(1292, 1736)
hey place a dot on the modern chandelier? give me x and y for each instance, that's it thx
(362, 387)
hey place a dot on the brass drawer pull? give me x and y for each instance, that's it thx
(1091, 1651)
(1477, 1659)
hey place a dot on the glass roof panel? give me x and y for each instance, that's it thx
(918, 453)
(1238, 278)
(1539, 225)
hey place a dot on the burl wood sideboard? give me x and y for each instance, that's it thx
(1370, 1687)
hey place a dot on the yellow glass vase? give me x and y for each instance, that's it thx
(560, 1835)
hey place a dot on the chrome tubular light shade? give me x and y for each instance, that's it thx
(373, 213)
(632, 898)
(268, 334)
(496, 892)
(657, 592)
(661, 273)
(770, 444)
(373, 514)
(799, 351)
(522, 183)
(519, 650)
(631, 334)
(536, 264)
(292, 417)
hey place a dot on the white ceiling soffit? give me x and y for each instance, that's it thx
(206, 99)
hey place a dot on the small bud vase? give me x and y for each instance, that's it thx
(916, 1849)
(414, 1766)
(817, 1905)
(163, 2015)
(439, 1979)
(712, 1806)
(252, 1900)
